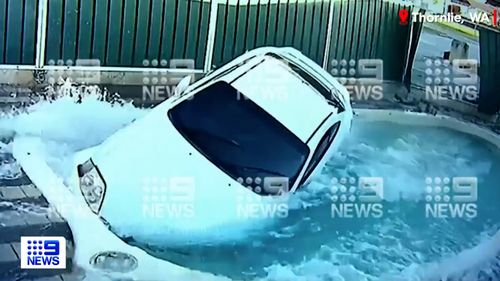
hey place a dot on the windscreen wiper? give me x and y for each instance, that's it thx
(212, 135)
(259, 169)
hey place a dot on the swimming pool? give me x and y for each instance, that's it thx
(313, 241)
(410, 238)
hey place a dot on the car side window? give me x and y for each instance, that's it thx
(320, 151)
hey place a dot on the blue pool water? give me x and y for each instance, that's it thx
(404, 242)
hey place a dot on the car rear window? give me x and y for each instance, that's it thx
(238, 136)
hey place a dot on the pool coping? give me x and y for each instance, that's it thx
(426, 119)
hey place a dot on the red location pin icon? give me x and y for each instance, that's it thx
(403, 17)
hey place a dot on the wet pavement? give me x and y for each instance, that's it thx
(24, 211)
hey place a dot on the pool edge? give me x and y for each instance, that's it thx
(425, 119)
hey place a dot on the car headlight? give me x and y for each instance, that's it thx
(92, 185)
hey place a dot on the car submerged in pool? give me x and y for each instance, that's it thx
(260, 126)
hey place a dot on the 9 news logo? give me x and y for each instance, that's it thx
(43, 252)
(451, 197)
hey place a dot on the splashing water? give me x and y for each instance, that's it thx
(69, 120)
(309, 244)
(403, 244)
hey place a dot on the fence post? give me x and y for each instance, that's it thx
(41, 33)
(211, 36)
(328, 36)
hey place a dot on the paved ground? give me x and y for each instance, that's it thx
(434, 41)
(25, 212)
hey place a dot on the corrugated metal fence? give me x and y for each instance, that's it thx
(489, 71)
(356, 30)
(18, 31)
(127, 32)
(149, 33)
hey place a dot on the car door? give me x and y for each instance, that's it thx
(320, 152)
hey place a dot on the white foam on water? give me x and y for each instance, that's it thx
(315, 269)
(328, 264)
(66, 126)
(79, 125)
(403, 164)
(465, 265)
(9, 170)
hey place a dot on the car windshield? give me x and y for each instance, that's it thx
(238, 136)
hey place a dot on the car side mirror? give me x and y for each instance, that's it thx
(183, 85)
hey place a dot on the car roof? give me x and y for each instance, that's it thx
(276, 88)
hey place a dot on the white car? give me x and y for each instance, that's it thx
(263, 124)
